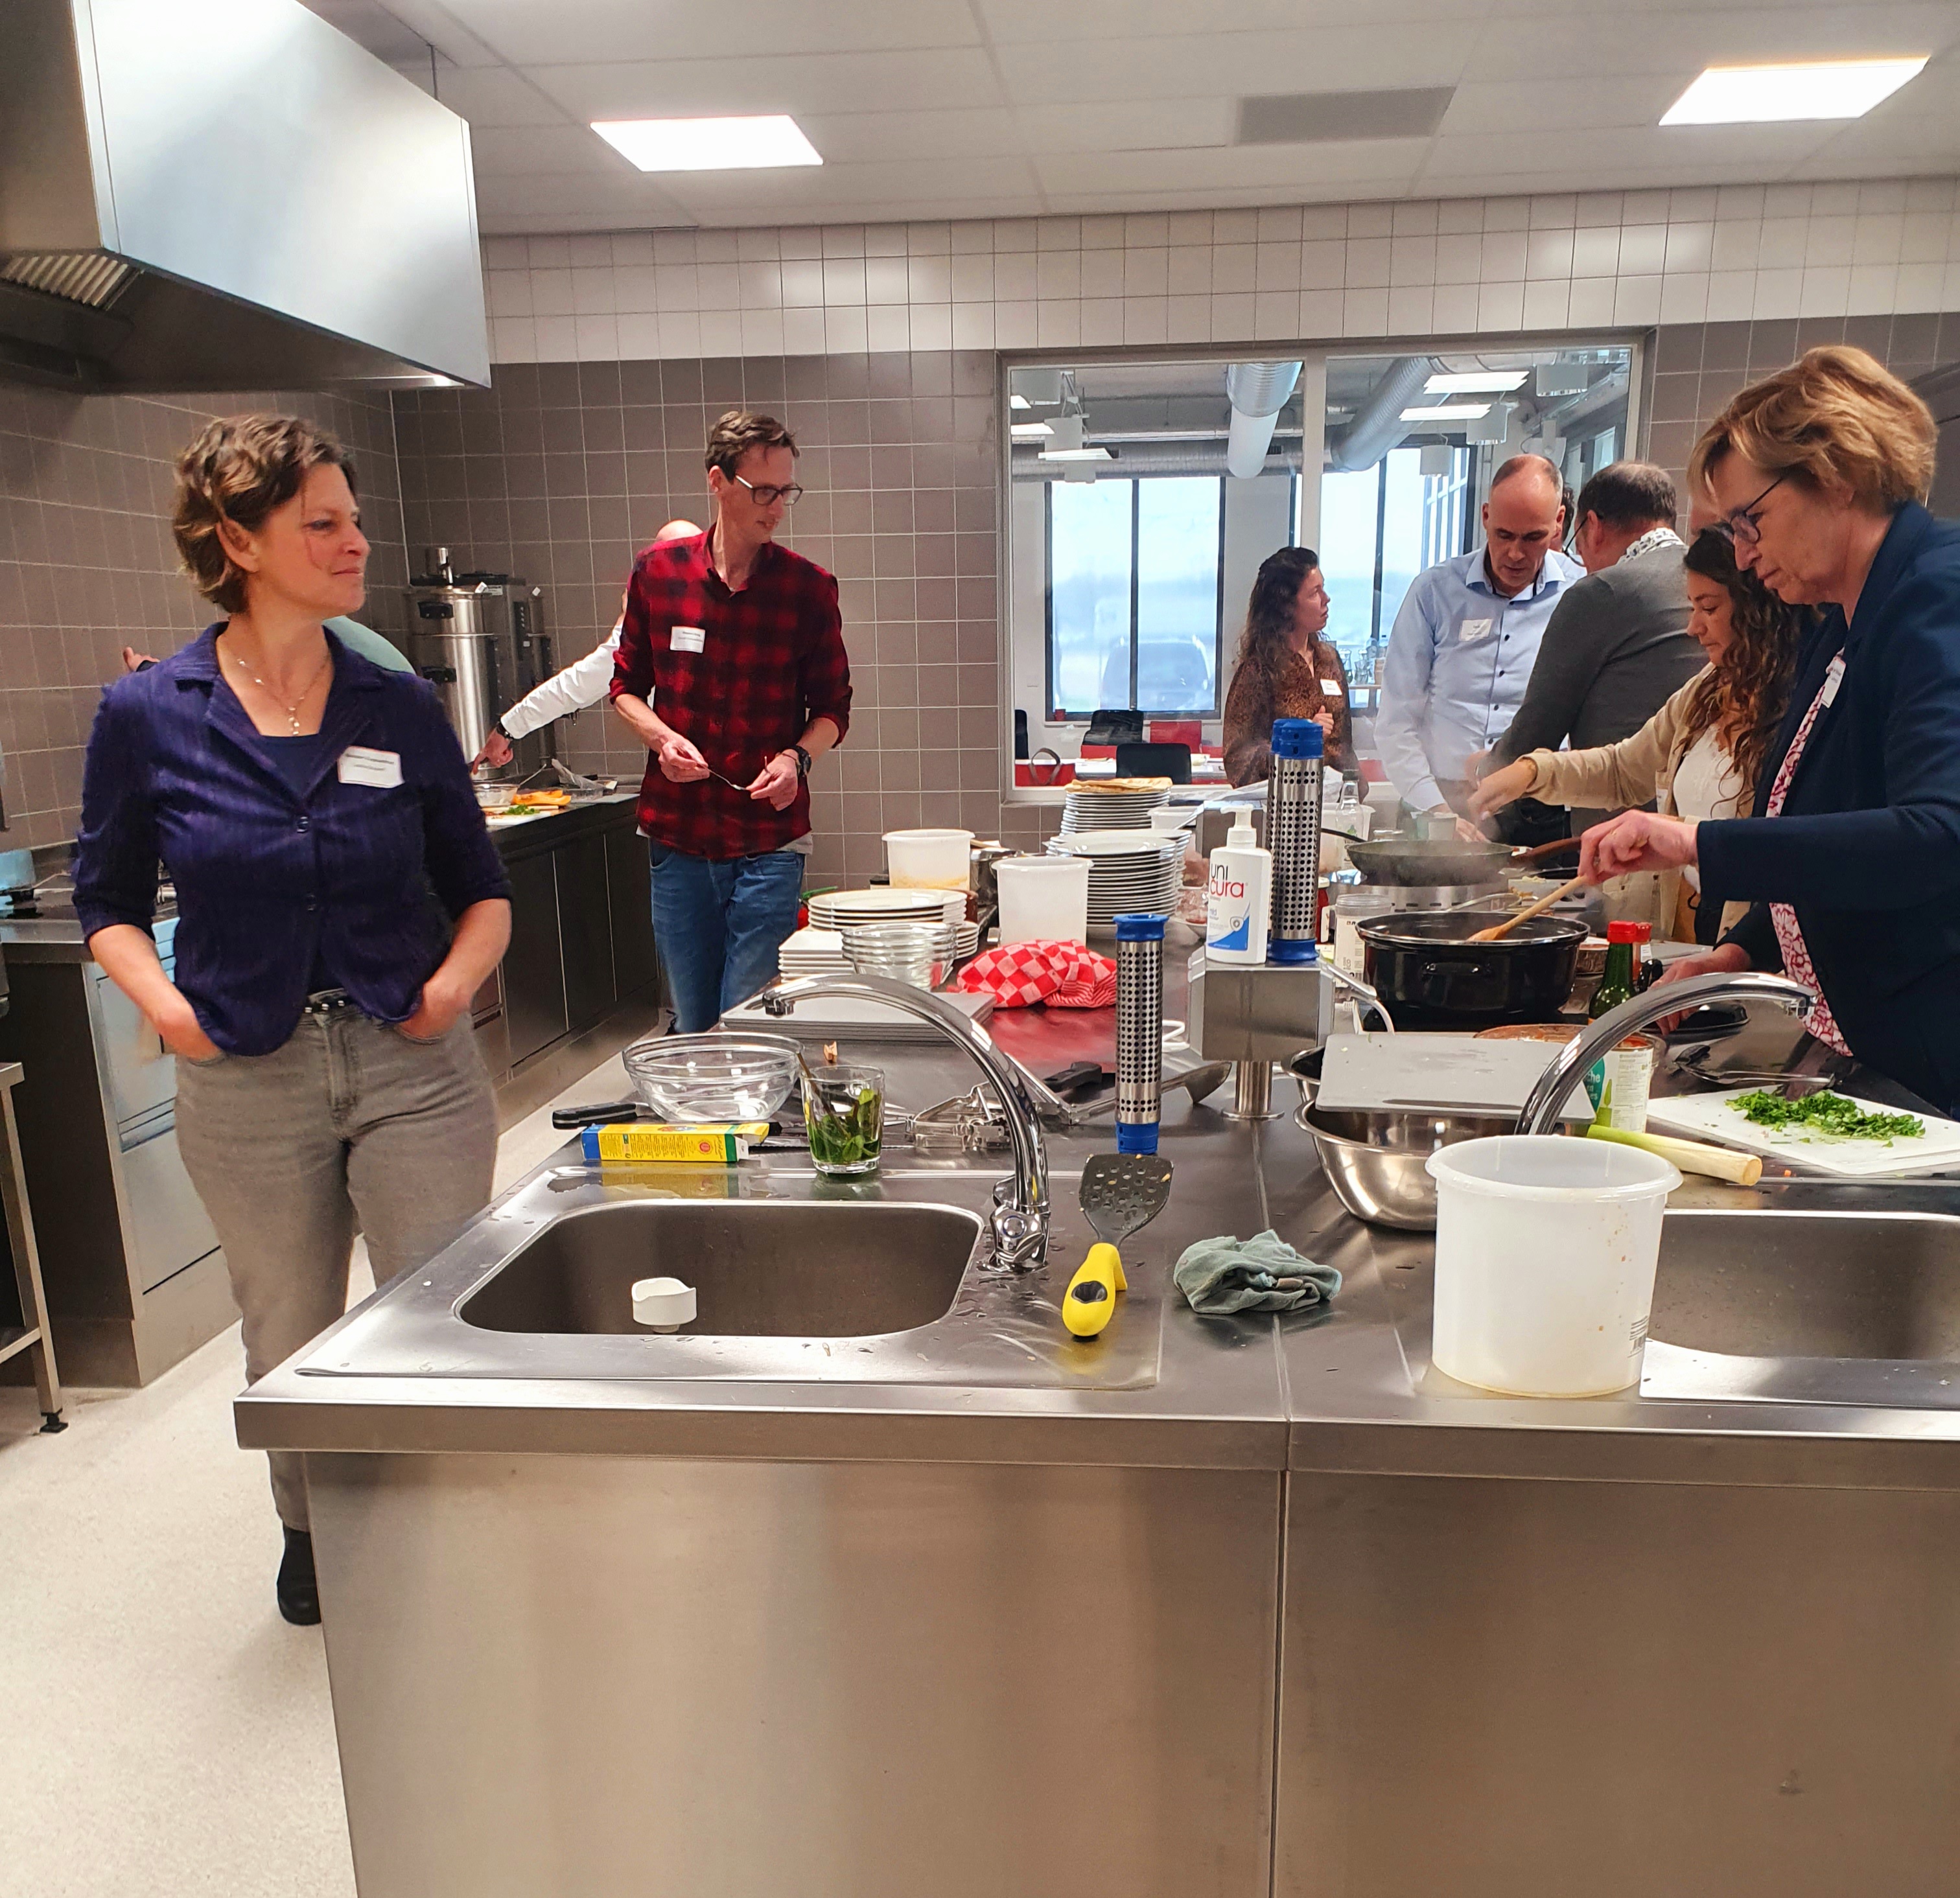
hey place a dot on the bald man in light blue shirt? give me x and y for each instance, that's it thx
(1465, 642)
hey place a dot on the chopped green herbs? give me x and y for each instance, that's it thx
(851, 1134)
(1826, 1113)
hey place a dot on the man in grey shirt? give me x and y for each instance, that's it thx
(1617, 647)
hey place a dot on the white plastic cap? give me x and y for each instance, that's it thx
(665, 1304)
(1241, 836)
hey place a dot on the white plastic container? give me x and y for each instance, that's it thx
(1239, 899)
(929, 860)
(1043, 899)
(1545, 1253)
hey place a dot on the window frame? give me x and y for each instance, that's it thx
(1058, 715)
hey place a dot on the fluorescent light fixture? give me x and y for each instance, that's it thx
(1448, 412)
(1077, 454)
(1019, 402)
(1475, 381)
(1820, 89)
(1031, 431)
(709, 144)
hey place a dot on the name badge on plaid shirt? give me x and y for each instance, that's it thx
(687, 639)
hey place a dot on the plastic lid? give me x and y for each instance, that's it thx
(1297, 738)
(1136, 1137)
(1241, 836)
(1131, 927)
(1627, 933)
(664, 1304)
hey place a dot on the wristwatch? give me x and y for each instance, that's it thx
(802, 756)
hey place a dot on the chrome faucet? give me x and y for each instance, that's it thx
(1539, 1114)
(1021, 1213)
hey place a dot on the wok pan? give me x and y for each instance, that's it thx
(1421, 862)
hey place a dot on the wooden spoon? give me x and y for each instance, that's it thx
(1534, 907)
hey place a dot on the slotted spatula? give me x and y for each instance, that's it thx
(1121, 1193)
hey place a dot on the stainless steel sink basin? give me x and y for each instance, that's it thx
(798, 1281)
(1808, 1305)
(774, 1270)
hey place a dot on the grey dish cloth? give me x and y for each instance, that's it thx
(1220, 1277)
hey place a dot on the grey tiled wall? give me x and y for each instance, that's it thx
(1697, 367)
(86, 564)
(562, 471)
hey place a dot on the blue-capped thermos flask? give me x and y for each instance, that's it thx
(1292, 835)
(1139, 1032)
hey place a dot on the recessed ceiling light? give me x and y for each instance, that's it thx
(1031, 431)
(1475, 381)
(709, 144)
(1077, 454)
(1448, 412)
(1823, 89)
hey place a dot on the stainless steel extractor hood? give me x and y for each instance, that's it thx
(226, 194)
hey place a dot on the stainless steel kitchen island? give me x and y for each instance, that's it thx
(1208, 1606)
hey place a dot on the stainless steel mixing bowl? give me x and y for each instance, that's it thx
(1374, 1161)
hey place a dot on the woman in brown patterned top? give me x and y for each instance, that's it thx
(1286, 670)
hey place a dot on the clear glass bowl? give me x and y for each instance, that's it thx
(692, 1078)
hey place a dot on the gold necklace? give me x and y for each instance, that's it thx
(292, 711)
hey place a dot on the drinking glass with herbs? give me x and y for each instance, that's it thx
(844, 1112)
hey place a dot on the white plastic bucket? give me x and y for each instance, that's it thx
(1545, 1252)
(1043, 899)
(929, 860)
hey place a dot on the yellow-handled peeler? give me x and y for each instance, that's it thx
(1121, 1193)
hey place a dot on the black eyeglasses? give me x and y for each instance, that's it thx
(767, 497)
(1743, 527)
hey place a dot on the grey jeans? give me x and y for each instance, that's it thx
(349, 1126)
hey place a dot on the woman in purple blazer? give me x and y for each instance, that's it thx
(339, 901)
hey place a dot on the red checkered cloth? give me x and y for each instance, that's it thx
(1062, 975)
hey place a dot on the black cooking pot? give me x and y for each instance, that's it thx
(1430, 975)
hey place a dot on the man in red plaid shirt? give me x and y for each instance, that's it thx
(732, 670)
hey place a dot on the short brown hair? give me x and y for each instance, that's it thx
(1629, 494)
(1547, 471)
(239, 469)
(1834, 415)
(740, 430)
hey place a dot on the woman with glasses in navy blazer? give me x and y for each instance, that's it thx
(1851, 861)
(340, 902)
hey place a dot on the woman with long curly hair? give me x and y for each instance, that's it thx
(1700, 756)
(1285, 669)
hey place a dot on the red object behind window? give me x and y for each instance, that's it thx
(1177, 731)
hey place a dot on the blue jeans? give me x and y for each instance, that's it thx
(718, 926)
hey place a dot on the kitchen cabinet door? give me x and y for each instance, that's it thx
(636, 963)
(585, 930)
(533, 965)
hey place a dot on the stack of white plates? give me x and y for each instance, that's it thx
(1124, 805)
(814, 951)
(1131, 872)
(833, 909)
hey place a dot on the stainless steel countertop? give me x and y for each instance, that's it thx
(1351, 1389)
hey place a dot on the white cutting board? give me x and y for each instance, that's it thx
(1709, 1117)
(1456, 1072)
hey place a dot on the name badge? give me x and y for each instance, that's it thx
(1332, 687)
(688, 639)
(1834, 677)
(360, 764)
(1472, 630)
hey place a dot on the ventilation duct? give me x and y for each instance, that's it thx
(1259, 391)
(1379, 426)
(227, 194)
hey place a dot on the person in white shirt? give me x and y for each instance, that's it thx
(585, 681)
(1466, 638)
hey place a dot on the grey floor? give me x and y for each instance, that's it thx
(162, 1730)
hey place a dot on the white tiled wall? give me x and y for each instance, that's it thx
(1317, 272)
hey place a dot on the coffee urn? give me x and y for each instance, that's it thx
(475, 639)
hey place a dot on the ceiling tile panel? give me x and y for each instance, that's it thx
(833, 82)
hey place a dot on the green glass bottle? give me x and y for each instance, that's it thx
(1617, 985)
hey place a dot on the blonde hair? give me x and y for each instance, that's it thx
(240, 470)
(1835, 415)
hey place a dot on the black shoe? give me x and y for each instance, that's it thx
(298, 1590)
